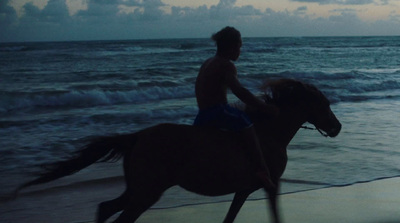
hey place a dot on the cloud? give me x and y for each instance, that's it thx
(302, 10)
(96, 9)
(7, 13)
(8, 19)
(110, 11)
(49, 23)
(55, 12)
(130, 19)
(117, 2)
(338, 2)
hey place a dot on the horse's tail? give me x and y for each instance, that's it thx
(101, 149)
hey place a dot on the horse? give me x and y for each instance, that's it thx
(202, 160)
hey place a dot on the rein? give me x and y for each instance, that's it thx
(311, 128)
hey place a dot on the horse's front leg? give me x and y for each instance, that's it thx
(273, 202)
(237, 203)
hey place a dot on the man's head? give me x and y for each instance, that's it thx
(228, 42)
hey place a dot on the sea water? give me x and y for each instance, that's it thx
(56, 95)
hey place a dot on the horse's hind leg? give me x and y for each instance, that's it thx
(137, 205)
(109, 208)
(273, 202)
(237, 203)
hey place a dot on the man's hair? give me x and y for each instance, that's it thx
(226, 38)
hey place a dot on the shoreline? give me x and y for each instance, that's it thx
(376, 201)
(56, 186)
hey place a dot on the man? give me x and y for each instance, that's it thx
(216, 75)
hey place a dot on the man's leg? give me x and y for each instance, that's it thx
(252, 145)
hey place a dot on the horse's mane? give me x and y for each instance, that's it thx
(287, 91)
(282, 91)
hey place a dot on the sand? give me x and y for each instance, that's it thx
(372, 202)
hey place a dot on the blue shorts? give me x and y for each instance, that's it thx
(223, 117)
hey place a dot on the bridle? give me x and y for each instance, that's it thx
(319, 130)
(268, 98)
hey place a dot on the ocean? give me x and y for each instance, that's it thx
(56, 95)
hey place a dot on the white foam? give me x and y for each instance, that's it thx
(96, 97)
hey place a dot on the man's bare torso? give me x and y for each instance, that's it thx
(211, 82)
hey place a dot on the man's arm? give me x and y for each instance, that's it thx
(244, 94)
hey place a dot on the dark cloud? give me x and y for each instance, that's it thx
(152, 3)
(50, 23)
(54, 12)
(302, 10)
(7, 13)
(342, 11)
(337, 2)
(8, 19)
(31, 10)
(226, 3)
(117, 2)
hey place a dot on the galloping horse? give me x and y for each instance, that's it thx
(205, 161)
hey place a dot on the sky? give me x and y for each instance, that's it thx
(66, 20)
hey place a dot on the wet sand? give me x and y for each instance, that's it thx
(371, 202)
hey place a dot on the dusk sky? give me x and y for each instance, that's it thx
(63, 20)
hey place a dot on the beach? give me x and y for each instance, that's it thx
(372, 202)
(55, 96)
(369, 202)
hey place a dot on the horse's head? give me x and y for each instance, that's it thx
(305, 99)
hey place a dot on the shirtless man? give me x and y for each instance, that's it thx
(216, 75)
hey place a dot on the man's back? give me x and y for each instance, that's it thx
(211, 83)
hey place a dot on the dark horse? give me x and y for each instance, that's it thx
(205, 161)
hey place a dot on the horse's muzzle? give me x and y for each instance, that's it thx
(334, 131)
